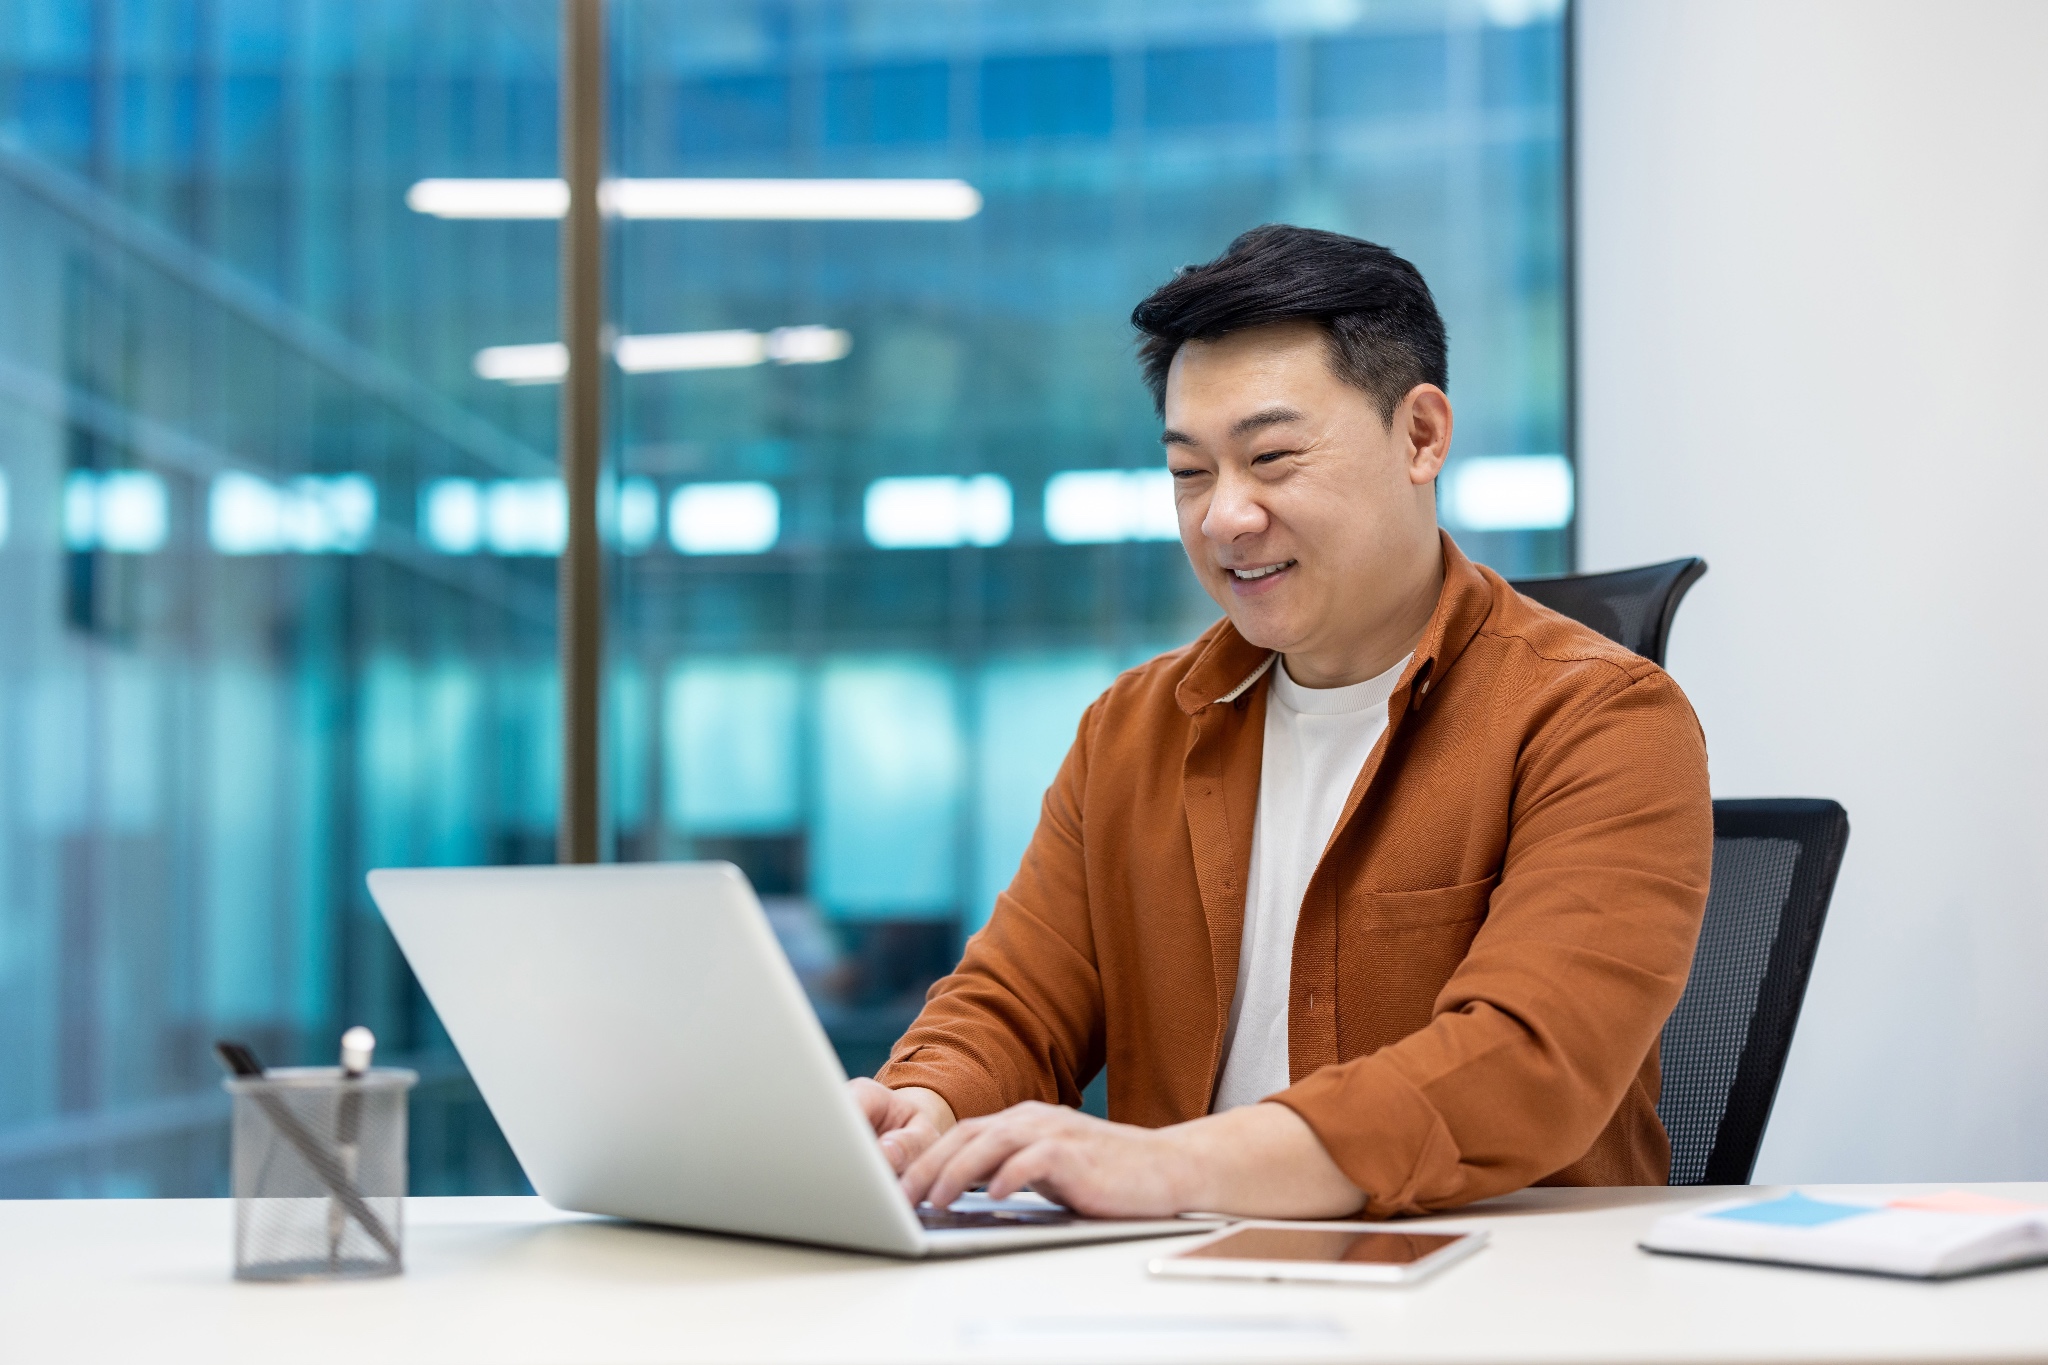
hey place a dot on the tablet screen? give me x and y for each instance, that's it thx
(1323, 1244)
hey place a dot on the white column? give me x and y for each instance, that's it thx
(1813, 288)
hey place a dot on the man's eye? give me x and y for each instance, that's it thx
(1183, 473)
(1270, 456)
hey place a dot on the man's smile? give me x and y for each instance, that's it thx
(1253, 578)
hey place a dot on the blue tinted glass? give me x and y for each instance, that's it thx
(732, 759)
(633, 733)
(280, 527)
(54, 109)
(1028, 711)
(1384, 75)
(1525, 67)
(1065, 94)
(887, 104)
(1192, 87)
(746, 113)
(252, 124)
(889, 769)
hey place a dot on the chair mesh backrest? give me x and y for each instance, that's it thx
(1724, 1047)
(1704, 1038)
(1632, 607)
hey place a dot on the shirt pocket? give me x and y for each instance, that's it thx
(1441, 905)
(1395, 952)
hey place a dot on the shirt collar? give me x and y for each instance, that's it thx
(1226, 665)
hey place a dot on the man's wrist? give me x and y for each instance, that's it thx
(1193, 1161)
(1261, 1161)
(930, 1103)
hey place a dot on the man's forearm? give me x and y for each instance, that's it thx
(1261, 1161)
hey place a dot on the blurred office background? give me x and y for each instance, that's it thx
(279, 515)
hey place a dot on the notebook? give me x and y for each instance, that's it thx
(1929, 1237)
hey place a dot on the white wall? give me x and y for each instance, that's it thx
(1813, 264)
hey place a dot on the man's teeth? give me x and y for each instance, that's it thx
(1247, 575)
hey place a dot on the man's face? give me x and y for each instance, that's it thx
(1298, 504)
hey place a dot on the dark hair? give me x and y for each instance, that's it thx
(1385, 333)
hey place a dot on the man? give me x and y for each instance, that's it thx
(1377, 895)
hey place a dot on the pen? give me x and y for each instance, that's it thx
(357, 1045)
(241, 1062)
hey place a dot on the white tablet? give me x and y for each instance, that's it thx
(1352, 1253)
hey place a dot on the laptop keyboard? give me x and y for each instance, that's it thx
(939, 1220)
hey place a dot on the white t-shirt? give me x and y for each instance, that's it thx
(1316, 741)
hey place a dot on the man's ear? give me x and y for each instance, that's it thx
(1422, 423)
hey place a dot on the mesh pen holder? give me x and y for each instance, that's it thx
(319, 1173)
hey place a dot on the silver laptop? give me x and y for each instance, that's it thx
(650, 1054)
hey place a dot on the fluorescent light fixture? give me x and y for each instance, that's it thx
(810, 345)
(489, 198)
(940, 201)
(690, 351)
(127, 511)
(246, 515)
(545, 362)
(81, 511)
(1509, 493)
(636, 515)
(1097, 506)
(526, 516)
(724, 518)
(452, 516)
(944, 201)
(506, 516)
(934, 513)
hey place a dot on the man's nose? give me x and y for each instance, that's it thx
(1234, 511)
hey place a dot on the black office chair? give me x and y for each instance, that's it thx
(1725, 1045)
(1775, 862)
(1632, 607)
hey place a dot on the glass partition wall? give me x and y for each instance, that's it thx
(278, 501)
(251, 650)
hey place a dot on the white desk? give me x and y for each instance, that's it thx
(509, 1280)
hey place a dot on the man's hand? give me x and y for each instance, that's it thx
(1091, 1165)
(1258, 1161)
(906, 1121)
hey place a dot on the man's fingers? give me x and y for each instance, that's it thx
(904, 1145)
(918, 1175)
(873, 1099)
(977, 1159)
(1032, 1166)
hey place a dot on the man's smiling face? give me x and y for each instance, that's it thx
(1302, 510)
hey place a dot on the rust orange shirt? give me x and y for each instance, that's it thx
(1486, 953)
